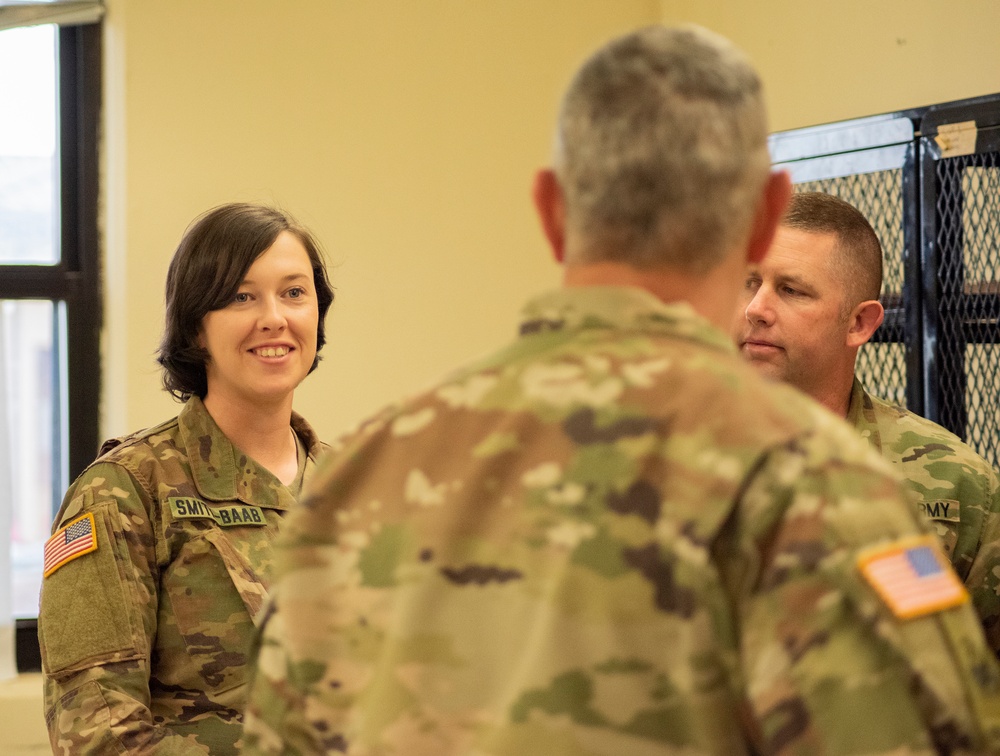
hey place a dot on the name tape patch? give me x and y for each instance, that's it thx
(229, 516)
(913, 577)
(75, 539)
(941, 509)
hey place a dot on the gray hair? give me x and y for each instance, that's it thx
(661, 149)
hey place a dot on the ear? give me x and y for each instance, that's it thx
(863, 321)
(770, 209)
(551, 207)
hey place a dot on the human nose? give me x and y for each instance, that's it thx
(271, 316)
(760, 309)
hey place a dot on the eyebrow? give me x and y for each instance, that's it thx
(784, 278)
(285, 279)
(798, 281)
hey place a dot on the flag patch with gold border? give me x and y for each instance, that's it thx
(77, 538)
(913, 577)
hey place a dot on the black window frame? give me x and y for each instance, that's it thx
(75, 280)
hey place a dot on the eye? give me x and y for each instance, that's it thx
(751, 283)
(297, 292)
(241, 297)
(790, 291)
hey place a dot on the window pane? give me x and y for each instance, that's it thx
(29, 162)
(32, 411)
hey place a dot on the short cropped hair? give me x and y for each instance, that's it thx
(858, 244)
(205, 274)
(661, 149)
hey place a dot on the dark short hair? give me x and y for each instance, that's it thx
(205, 274)
(857, 241)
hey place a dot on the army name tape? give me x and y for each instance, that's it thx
(942, 509)
(228, 516)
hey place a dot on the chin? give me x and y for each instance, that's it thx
(768, 370)
(275, 393)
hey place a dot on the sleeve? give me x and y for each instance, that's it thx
(275, 721)
(293, 644)
(97, 621)
(830, 660)
(983, 579)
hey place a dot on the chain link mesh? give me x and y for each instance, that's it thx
(881, 363)
(968, 214)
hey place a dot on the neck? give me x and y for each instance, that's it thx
(830, 384)
(261, 431)
(835, 395)
(711, 294)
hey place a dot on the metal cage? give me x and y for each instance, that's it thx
(928, 180)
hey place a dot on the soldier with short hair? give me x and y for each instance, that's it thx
(806, 310)
(161, 556)
(612, 536)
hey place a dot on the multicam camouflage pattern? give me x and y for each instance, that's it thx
(145, 642)
(610, 538)
(958, 491)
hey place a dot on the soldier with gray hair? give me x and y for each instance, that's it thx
(612, 536)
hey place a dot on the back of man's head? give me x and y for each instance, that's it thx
(661, 150)
(860, 253)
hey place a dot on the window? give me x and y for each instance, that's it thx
(50, 305)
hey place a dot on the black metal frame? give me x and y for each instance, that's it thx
(80, 73)
(906, 141)
(985, 111)
(75, 280)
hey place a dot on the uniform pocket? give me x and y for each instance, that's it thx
(246, 581)
(214, 595)
(81, 722)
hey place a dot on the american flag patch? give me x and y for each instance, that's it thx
(913, 577)
(75, 539)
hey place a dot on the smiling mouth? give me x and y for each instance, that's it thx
(271, 351)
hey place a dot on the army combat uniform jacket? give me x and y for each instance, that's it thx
(613, 537)
(958, 491)
(161, 561)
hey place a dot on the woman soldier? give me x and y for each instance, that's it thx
(161, 553)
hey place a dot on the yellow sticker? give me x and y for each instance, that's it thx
(954, 139)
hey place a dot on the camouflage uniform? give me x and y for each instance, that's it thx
(610, 538)
(145, 640)
(957, 489)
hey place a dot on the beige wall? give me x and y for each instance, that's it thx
(832, 61)
(405, 134)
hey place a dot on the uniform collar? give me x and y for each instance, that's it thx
(221, 472)
(626, 308)
(861, 414)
